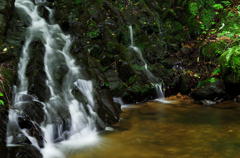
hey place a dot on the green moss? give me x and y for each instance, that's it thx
(140, 88)
(119, 90)
(211, 50)
(138, 68)
(207, 17)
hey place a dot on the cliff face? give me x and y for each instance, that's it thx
(6, 71)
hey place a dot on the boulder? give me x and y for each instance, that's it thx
(209, 89)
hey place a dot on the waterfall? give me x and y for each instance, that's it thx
(158, 86)
(160, 92)
(57, 49)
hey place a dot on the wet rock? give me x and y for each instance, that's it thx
(107, 110)
(34, 110)
(207, 102)
(39, 87)
(141, 92)
(24, 151)
(209, 89)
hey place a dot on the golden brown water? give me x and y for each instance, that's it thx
(174, 130)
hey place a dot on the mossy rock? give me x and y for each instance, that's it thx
(212, 50)
(210, 89)
(142, 92)
(114, 48)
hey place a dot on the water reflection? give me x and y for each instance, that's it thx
(175, 130)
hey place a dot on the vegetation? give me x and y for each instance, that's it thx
(1, 101)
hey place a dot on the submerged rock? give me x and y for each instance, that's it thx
(207, 102)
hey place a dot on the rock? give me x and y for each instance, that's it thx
(185, 83)
(115, 83)
(125, 71)
(207, 102)
(141, 92)
(3, 131)
(24, 151)
(107, 110)
(209, 89)
(34, 110)
(172, 62)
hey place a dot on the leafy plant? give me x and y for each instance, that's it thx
(93, 34)
(1, 101)
(218, 6)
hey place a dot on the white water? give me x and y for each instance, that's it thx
(158, 86)
(57, 47)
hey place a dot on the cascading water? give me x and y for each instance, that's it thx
(57, 47)
(158, 86)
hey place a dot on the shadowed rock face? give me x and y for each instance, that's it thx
(6, 7)
(3, 131)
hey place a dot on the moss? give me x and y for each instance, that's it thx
(211, 50)
(140, 88)
(138, 68)
(119, 90)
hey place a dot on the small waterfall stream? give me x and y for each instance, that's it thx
(158, 86)
(57, 47)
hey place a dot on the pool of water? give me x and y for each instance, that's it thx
(180, 129)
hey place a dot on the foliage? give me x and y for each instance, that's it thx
(1, 101)
(93, 34)
(211, 80)
(215, 72)
(93, 30)
(211, 50)
(193, 8)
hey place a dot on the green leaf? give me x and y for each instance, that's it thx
(1, 102)
(106, 84)
(1, 94)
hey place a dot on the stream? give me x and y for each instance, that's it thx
(178, 129)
